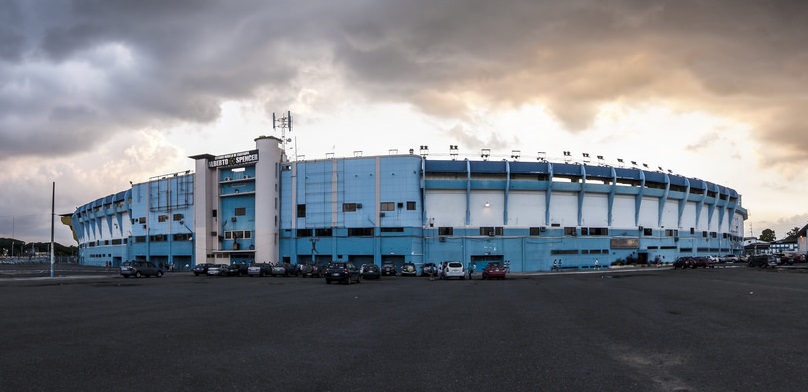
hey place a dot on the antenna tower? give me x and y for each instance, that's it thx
(285, 124)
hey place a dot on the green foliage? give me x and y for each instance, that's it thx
(793, 232)
(22, 248)
(767, 235)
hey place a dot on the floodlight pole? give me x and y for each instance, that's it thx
(53, 213)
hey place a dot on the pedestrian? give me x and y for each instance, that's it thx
(560, 267)
(471, 269)
(555, 264)
(597, 265)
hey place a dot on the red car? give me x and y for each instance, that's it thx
(494, 270)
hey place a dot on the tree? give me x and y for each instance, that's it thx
(793, 232)
(767, 235)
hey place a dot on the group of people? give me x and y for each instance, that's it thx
(557, 265)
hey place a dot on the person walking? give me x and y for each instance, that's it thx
(555, 264)
(471, 269)
(597, 266)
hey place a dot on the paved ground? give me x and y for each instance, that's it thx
(728, 329)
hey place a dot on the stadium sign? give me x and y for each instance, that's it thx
(234, 159)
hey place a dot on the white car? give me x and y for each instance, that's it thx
(452, 269)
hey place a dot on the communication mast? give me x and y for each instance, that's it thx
(285, 124)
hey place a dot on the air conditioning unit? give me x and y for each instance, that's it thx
(381, 215)
(236, 191)
(442, 239)
(227, 178)
(233, 219)
(358, 205)
(490, 233)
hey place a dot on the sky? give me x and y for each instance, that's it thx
(97, 93)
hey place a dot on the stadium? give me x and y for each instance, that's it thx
(259, 206)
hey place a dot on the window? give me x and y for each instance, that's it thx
(392, 229)
(240, 211)
(445, 230)
(486, 230)
(348, 207)
(570, 231)
(360, 231)
(301, 210)
(387, 206)
(162, 218)
(178, 217)
(324, 232)
(411, 205)
(304, 232)
(535, 231)
(598, 231)
(584, 231)
(214, 213)
(648, 232)
(142, 219)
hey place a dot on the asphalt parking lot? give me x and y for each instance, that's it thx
(724, 329)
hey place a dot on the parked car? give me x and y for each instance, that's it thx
(702, 262)
(341, 272)
(494, 270)
(429, 269)
(201, 269)
(730, 259)
(370, 271)
(260, 269)
(237, 269)
(682, 262)
(388, 268)
(321, 267)
(218, 270)
(278, 269)
(453, 269)
(307, 269)
(692, 262)
(140, 268)
(409, 269)
(763, 261)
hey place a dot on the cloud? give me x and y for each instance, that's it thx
(77, 76)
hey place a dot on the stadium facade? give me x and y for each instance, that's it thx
(256, 206)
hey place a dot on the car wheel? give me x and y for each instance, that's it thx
(138, 274)
(159, 274)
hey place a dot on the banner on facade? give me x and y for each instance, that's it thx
(234, 159)
(625, 243)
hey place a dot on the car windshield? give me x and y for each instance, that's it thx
(126, 263)
(455, 265)
(493, 265)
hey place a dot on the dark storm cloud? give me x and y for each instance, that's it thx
(96, 67)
